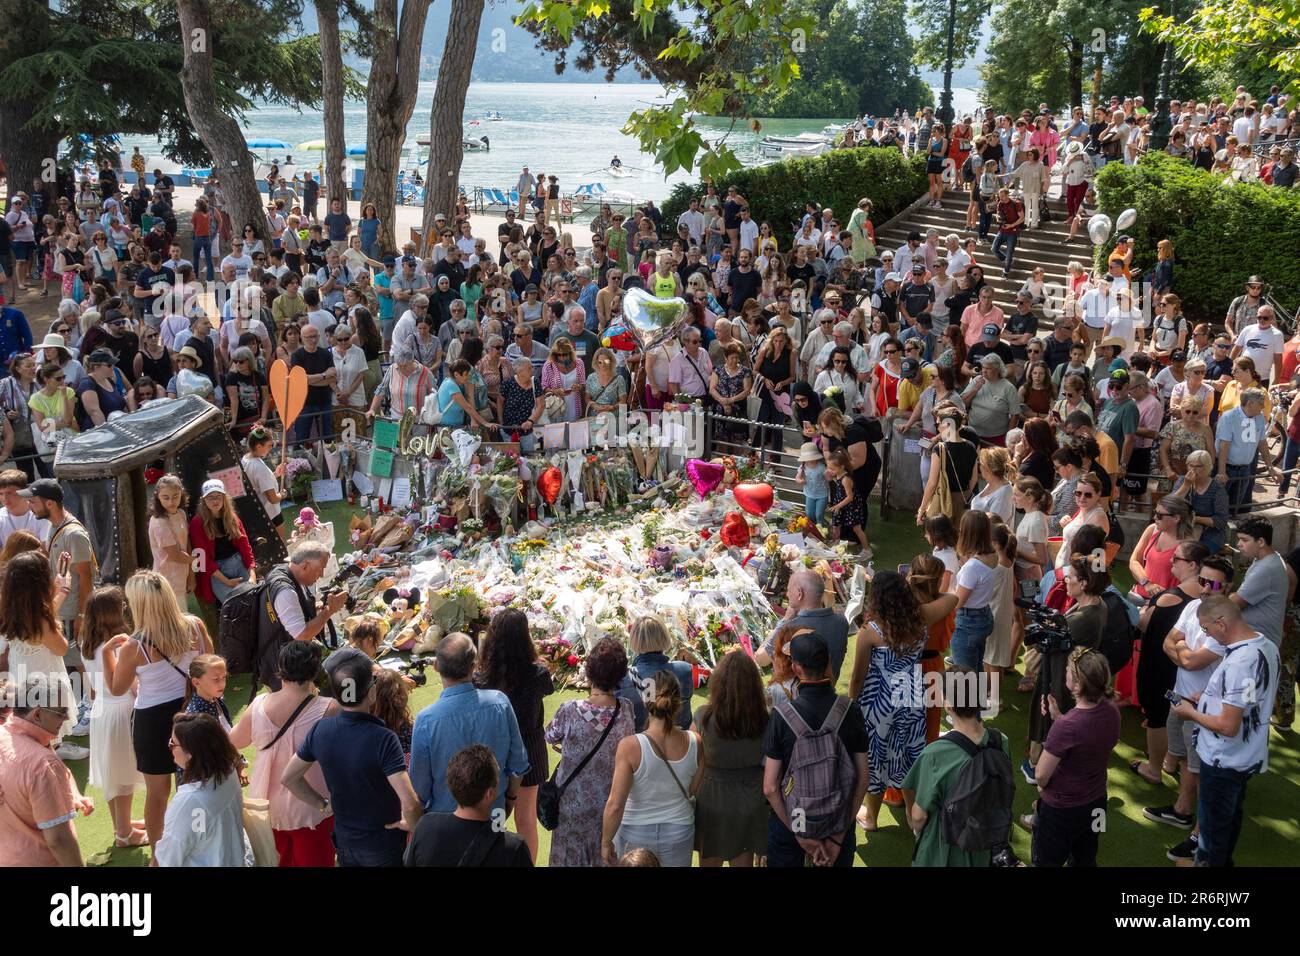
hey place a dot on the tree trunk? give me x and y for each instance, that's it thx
(390, 101)
(446, 118)
(220, 133)
(27, 153)
(1076, 71)
(331, 56)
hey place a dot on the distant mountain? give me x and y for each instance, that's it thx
(507, 53)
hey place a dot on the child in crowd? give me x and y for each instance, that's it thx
(112, 756)
(208, 678)
(812, 475)
(261, 477)
(169, 537)
(942, 538)
(847, 512)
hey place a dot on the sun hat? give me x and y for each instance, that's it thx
(809, 451)
(55, 341)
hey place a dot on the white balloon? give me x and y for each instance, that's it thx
(1099, 227)
(652, 318)
(1126, 219)
(191, 382)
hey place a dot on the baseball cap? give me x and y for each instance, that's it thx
(390, 260)
(1124, 239)
(918, 269)
(991, 331)
(408, 259)
(1119, 377)
(213, 486)
(910, 368)
(893, 277)
(440, 215)
(46, 488)
(1178, 355)
(810, 652)
(101, 357)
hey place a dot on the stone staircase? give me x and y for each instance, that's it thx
(1045, 246)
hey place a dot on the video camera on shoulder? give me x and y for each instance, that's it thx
(1048, 630)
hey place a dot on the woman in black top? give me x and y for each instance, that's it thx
(958, 457)
(775, 365)
(1156, 672)
(154, 359)
(1040, 439)
(807, 409)
(839, 431)
(509, 664)
(372, 344)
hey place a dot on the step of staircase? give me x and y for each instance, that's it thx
(1048, 246)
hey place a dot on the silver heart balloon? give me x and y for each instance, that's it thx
(1126, 219)
(652, 319)
(191, 382)
(1099, 227)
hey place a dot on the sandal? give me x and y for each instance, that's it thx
(1135, 764)
(136, 838)
(1026, 686)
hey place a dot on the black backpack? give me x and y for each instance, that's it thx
(977, 812)
(1118, 635)
(237, 631)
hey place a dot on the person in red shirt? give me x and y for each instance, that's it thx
(1011, 216)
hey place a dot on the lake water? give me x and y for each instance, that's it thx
(569, 129)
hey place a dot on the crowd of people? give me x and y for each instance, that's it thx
(1041, 428)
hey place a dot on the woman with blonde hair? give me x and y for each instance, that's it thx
(157, 656)
(998, 471)
(649, 640)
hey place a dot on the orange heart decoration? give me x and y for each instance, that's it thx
(288, 390)
(549, 483)
(754, 497)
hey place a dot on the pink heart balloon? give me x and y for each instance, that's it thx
(754, 497)
(704, 475)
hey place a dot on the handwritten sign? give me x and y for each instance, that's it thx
(329, 489)
(381, 463)
(401, 495)
(385, 434)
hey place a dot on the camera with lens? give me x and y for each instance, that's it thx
(1047, 630)
(414, 669)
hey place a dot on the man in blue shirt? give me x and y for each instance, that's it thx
(382, 281)
(334, 278)
(587, 292)
(464, 715)
(1240, 433)
(15, 336)
(370, 792)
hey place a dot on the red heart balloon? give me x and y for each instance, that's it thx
(735, 530)
(754, 497)
(549, 484)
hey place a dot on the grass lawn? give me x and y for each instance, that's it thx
(1130, 840)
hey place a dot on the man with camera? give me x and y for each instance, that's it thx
(1231, 718)
(290, 612)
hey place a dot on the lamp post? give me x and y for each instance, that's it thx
(1160, 125)
(946, 114)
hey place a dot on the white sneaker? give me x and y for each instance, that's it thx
(67, 751)
(81, 729)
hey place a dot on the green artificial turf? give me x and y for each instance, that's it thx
(1272, 803)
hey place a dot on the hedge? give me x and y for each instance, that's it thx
(778, 192)
(1221, 233)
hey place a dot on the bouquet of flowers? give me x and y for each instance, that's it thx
(560, 658)
(299, 474)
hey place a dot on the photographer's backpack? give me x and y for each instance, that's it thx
(819, 779)
(977, 812)
(238, 627)
(1119, 634)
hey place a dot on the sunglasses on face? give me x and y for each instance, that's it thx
(1212, 585)
(1085, 494)
(891, 351)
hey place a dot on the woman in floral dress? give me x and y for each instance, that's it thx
(575, 730)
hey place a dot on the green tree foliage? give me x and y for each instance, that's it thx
(1258, 36)
(1220, 232)
(112, 66)
(712, 55)
(777, 192)
(931, 16)
(858, 61)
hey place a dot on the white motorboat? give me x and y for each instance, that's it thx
(492, 116)
(475, 145)
(793, 150)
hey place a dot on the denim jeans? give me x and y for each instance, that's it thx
(1220, 805)
(986, 215)
(815, 508)
(202, 250)
(316, 418)
(374, 854)
(1008, 240)
(974, 625)
(1241, 487)
(672, 843)
(784, 850)
(233, 568)
(1290, 455)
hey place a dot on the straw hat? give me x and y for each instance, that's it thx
(809, 452)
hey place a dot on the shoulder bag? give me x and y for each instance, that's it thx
(550, 792)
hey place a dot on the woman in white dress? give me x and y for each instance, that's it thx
(31, 640)
(112, 758)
